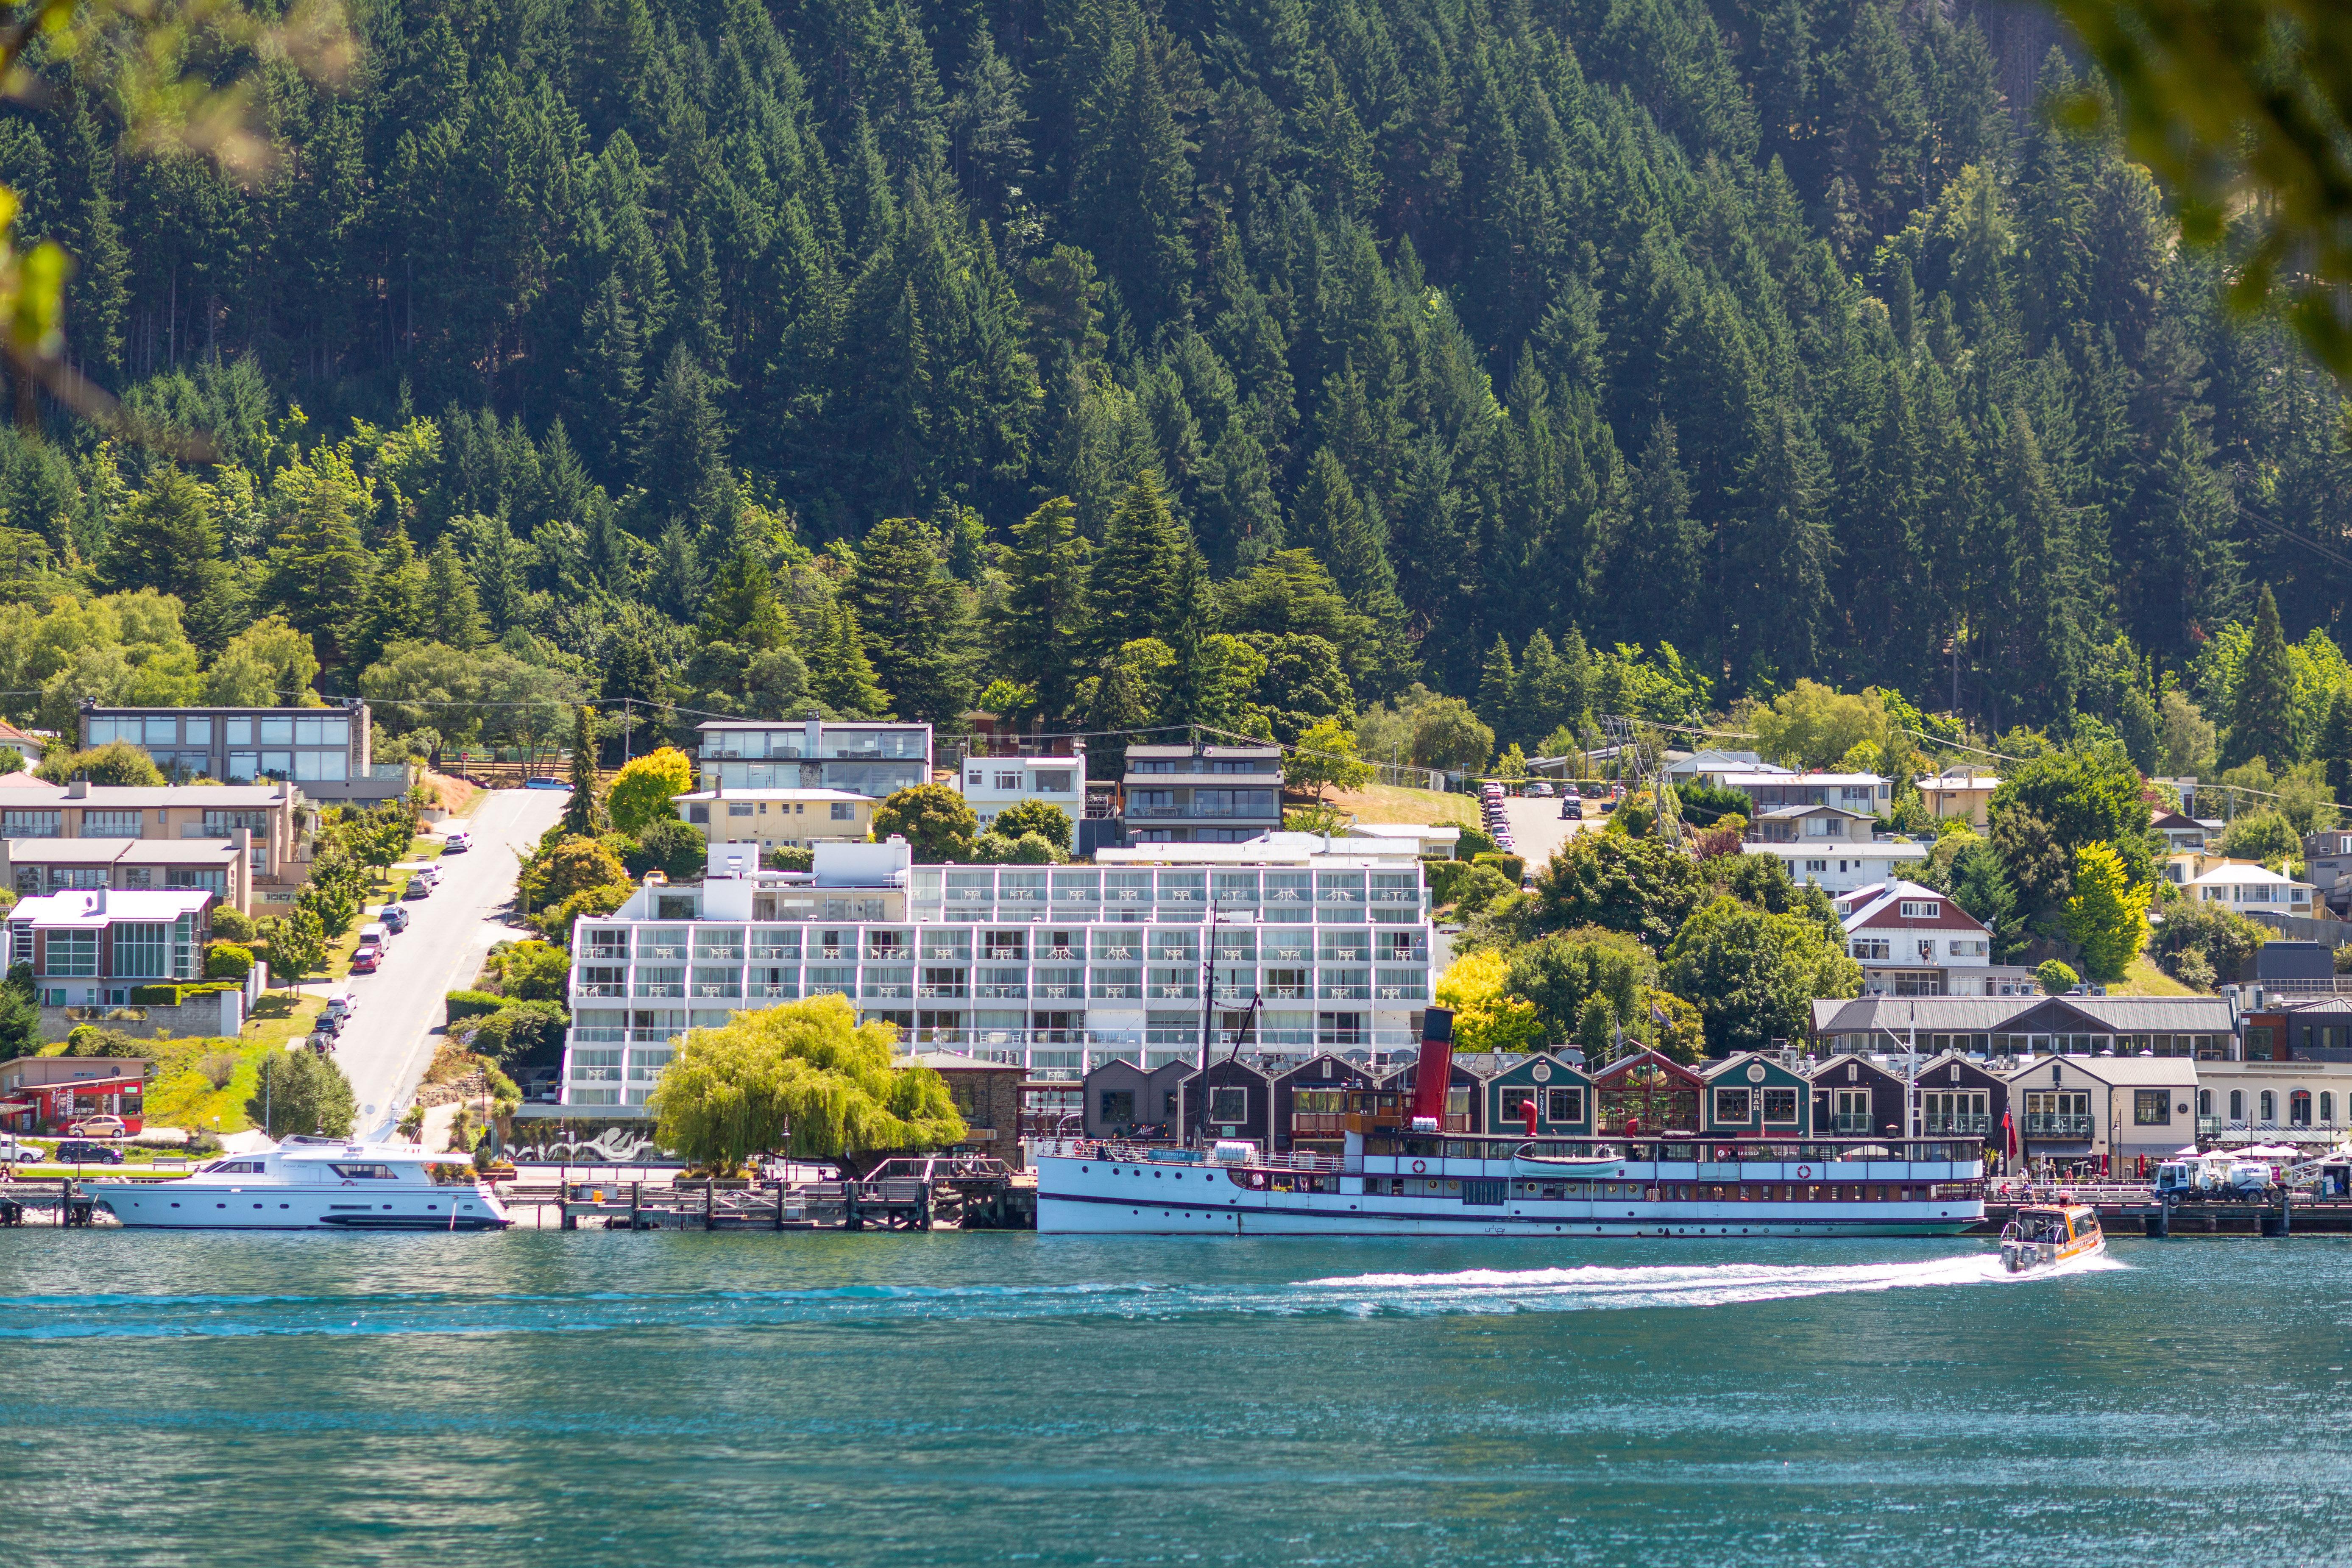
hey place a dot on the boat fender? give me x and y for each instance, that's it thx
(1420, 1167)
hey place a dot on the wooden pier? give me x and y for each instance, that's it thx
(906, 1194)
(2123, 1210)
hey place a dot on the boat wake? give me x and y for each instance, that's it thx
(1597, 1288)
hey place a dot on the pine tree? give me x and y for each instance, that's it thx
(1041, 619)
(317, 570)
(841, 674)
(912, 613)
(2262, 718)
(610, 380)
(1331, 520)
(583, 813)
(2335, 746)
(1498, 683)
(681, 450)
(740, 608)
(166, 540)
(453, 611)
(397, 602)
(1131, 588)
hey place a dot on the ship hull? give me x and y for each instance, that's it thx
(1096, 1197)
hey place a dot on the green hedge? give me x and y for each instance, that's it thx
(1515, 867)
(172, 995)
(472, 1004)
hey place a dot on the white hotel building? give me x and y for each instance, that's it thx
(1059, 968)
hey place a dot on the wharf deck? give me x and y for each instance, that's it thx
(956, 1199)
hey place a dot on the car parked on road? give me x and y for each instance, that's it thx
(457, 843)
(393, 919)
(1572, 809)
(97, 1127)
(13, 1152)
(1539, 789)
(418, 888)
(342, 1004)
(365, 960)
(431, 873)
(81, 1154)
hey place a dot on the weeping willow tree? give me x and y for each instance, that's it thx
(805, 1080)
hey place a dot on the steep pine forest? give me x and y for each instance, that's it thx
(733, 356)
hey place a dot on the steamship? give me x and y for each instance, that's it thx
(1400, 1173)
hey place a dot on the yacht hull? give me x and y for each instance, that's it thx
(184, 1206)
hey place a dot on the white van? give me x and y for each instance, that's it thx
(375, 934)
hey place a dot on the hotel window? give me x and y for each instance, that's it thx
(73, 953)
(1732, 1105)
(2237, 1105)
(2269, 1106)
(2298, 1107)
(2151, 1108)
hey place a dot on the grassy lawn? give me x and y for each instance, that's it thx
(1393, 802)
(180, 1092)
(2144, 979)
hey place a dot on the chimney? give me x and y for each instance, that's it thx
(78, 789)
(1436, 1067)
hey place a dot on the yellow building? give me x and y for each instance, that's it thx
(1960, 792)
(779, 818)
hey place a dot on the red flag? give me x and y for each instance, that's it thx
(2008, 1135)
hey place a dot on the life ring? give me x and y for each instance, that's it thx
(1804, 1173)
(1420, 1167)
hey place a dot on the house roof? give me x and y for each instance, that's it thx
(1883, 905)
(99, 906)
(803, 724)
(1948, 779)
(785, 794)
(1736, 780)
(1830, 1070)
(1801, 809)
(112, 851)
(2111, 1070)
(2244, 874)
(955, 1061)
(1897, 1016)
(1672, 1068)
(1888, 849)
(1178, 752)
(1744, 1059)
(212, 797)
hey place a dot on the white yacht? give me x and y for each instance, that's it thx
(311, 1183)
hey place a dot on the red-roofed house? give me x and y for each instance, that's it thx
(1915, 941)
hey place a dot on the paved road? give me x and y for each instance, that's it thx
(388, 1045)
(1535, 824)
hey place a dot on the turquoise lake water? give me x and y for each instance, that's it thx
(689, 1400)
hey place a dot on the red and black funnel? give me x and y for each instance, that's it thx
(1436, 1069)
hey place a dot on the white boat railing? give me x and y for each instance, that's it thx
(1122, 1154)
